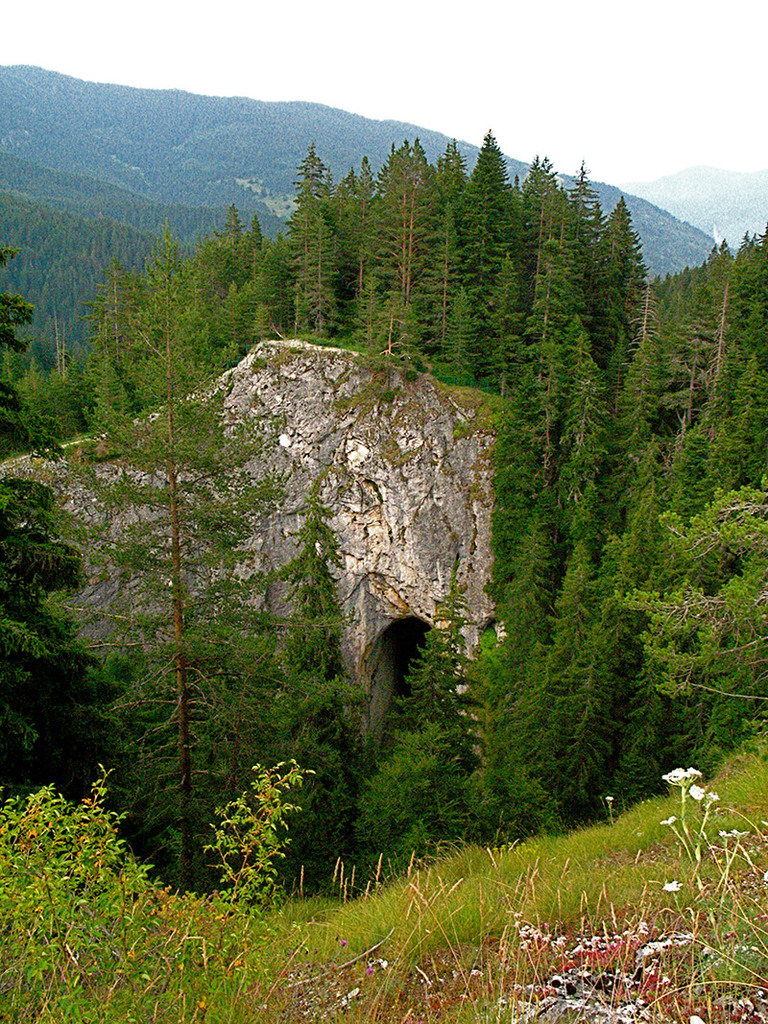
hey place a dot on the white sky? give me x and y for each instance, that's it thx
(636, 90)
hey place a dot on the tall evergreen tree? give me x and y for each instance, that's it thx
(51, 701)
(318, 708)
(450, 183)
(625, 276)
(406, 200)
(183, 474)
(421, 793)
(486, 238)
(313, 245)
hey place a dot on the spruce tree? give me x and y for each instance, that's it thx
(317, 708)
(313, 247)
(176, 500)
(421, 793)
(51, 699)
(486, 237)
(406, 198)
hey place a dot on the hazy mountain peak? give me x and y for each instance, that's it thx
(725, 204)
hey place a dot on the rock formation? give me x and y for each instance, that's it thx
(405, 465)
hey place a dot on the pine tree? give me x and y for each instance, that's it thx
(438, 681)
(421, 792)
(583, 444)
(182, 473)
(542, 219)
(460, 339)
(506, 326)
(580, 712)
(486, 237)
(586, 226)
(406, 197)
(318, 708)
(51, 700)
(625, 275)
(450, 183)
(355, 211)
(314, 641)
(313, 246)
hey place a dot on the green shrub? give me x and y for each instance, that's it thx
(253, 835)
(69, 888)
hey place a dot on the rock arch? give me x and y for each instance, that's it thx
(405, 466)
(386, 667)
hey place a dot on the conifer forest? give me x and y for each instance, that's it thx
(630, 530)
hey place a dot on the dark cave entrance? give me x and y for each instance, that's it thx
(387, 667)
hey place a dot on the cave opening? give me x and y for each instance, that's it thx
(388, 665)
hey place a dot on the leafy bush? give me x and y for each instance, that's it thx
(253, 835)
(69, 891)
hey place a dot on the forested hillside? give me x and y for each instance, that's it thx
(61, 262)
(629, 532)
(94, 200)
(174, 147)
(144, 157)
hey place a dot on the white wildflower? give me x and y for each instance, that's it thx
(711, 797)
(673, 886)
(676, 777)
(609, 799)
(697, 793)
(693, 773)
(670, 820)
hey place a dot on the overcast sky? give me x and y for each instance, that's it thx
(635, 90)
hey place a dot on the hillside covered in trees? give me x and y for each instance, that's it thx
(629, 532)
(81, 161)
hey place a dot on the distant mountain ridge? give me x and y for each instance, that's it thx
(87, 197)
(181, 149)
(725, 204)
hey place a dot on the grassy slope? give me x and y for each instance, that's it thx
(476, 935)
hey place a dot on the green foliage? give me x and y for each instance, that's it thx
(52, 700)
(182, 605)
(620, 399)
(421, 793)
(69, 894)
(317, 710)
(61, 259)
(313, 643)
(251, 835)
(437, 681)
(49, 697)
(419, 798)
(706, 630)
(88, 936)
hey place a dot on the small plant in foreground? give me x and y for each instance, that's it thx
(609, 801)
(252, 835)
(692, 836)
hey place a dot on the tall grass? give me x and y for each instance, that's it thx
(473, 935)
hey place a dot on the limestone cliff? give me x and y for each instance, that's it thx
(406, 466)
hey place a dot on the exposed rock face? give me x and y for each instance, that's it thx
(406, 467)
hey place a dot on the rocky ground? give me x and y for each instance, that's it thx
(603, 979)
